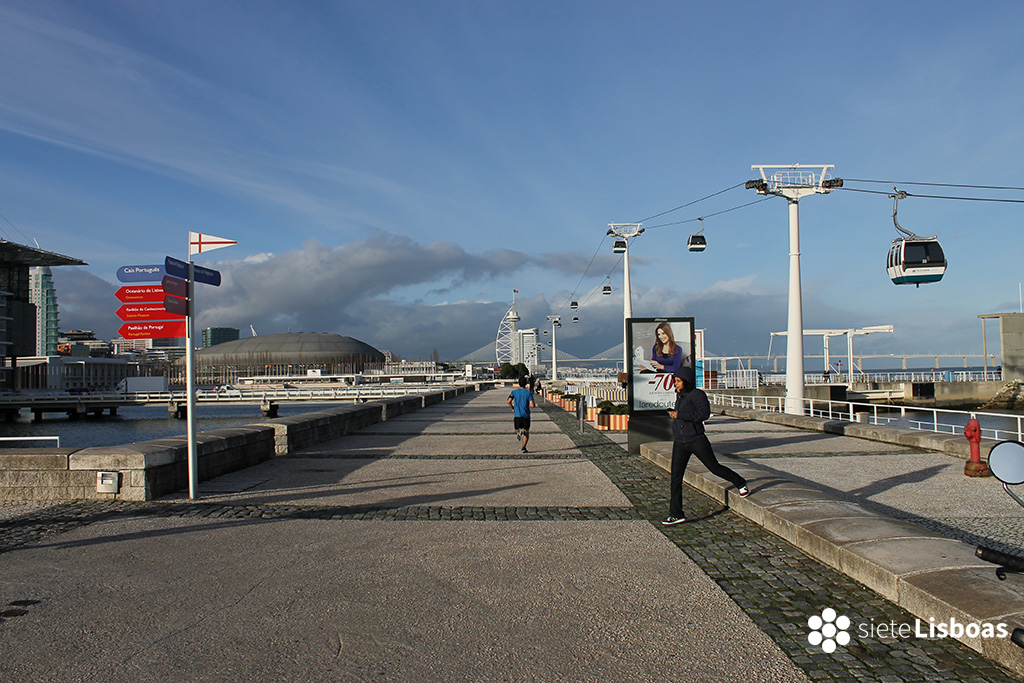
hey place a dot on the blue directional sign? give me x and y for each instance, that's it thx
(178, 268)
(153, 273)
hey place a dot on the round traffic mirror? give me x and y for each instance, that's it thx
(1006, 460)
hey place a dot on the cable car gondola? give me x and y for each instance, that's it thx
(575, 319)
(619, 247)
(607, 289)
(574, 305)
(913, 260)
(697, 241)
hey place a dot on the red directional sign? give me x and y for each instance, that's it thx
(153, 330)
(134, 294)
(155, 311)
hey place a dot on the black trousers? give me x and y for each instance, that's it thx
(681, 453)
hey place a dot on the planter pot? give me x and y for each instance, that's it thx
(615, 423)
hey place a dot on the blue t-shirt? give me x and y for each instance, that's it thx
(521, 398)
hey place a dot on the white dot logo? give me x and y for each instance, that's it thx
(828, 630)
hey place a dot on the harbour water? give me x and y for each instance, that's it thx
(134, 424)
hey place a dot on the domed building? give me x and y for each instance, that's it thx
(287, 354)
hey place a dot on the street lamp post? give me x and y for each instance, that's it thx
(794, 181)
(624, 231)
(556, 322)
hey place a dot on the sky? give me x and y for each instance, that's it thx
(393, 170)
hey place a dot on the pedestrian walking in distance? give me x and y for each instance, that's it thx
(520, 401)
(688, 436)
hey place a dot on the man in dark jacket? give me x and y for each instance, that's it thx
(692, 408)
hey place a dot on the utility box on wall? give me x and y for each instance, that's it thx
(108, 482)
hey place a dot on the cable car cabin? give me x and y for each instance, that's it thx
(916, 261)
(607, 289)
(575, 319)
(696, 243)
(619, 247)
(574, 305)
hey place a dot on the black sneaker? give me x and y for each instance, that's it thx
(524, 450)
(669, 521)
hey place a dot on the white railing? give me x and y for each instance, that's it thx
(998, 426)
(234, 395)
(922, 376)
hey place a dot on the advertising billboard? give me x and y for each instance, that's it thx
(658, 346)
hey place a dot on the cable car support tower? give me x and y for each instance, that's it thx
(794, 182)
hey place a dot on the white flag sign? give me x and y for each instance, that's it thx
(198, 243)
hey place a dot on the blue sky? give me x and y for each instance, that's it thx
(393, 170)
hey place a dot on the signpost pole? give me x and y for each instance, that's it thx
(190, 386)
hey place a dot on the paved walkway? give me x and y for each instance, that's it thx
(427, 548)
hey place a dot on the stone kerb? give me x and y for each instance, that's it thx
(930, 576)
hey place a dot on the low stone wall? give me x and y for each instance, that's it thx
(150, 469)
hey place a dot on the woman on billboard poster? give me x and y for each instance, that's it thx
(666, 355)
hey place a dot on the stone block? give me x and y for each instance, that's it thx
(971, 594)
(137, 456)
(880, 564)
(34, 460)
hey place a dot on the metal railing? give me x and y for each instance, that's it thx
(998, 426)
(255, 393)
(908, 376)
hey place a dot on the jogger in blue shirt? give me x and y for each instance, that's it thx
(520, 401)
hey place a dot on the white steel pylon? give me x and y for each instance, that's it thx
(794, 181)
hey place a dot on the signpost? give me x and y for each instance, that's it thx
(168, 310)
(191, 273)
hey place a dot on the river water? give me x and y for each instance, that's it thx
(137, 423)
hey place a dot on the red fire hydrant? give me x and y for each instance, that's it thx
(975, 467)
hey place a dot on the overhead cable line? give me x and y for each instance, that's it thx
(907, 182)
(690, 203)
(936, 196)
(691, 220)
(592, 258)
(710, 215)
(14, 226)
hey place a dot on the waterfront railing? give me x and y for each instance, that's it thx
(998, 426)
(908, 376)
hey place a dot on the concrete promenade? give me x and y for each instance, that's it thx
(428, 548)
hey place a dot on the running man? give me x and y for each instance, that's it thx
(520, 401)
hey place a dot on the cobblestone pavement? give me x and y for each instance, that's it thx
(780, 587)
(776, 585)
